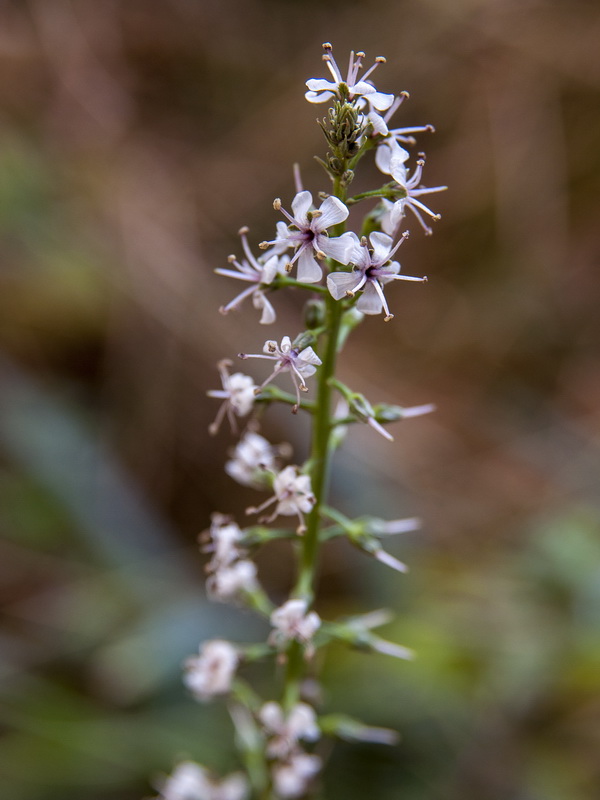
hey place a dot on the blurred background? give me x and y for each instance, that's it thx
(135, 139)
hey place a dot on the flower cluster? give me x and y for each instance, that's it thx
(346, 275)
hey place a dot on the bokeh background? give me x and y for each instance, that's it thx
(135, 139)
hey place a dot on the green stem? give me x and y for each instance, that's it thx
(323, 426)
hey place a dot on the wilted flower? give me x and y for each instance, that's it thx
(252, 459)
(374, 270)
(260, 272)
(190, 781)
(293, 495)
(223, 538)
(307, 233)
(292, 777)
(286, 730)
(292, 622)
(211, 672)
(300, 364)
(238, 394)
(227, 583)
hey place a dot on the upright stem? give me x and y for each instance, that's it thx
(321, 434)
(321, 452)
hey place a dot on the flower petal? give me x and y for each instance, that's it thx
(339, 283)
(338, 247)
(382, 244)
(300, 206)
(369, 301)
(321, 85)
(309, 270)
(332, 211)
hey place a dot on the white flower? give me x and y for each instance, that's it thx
(286, 730)
(300, 364)
(374, 270)
(291, 778)
(293, 495)
(307, 234)
(391, 160)
(321, 90)
(211, 672)
(292, 622)
(238, 394)
(259, 272)
(229, 582)
(224, 537)
(190, 781)
(253, 457)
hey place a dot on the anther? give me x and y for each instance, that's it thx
(277, 204)
(263, 245)
(289, 266)
(242, 355)
(381, 60)
(405, 95)
(243, 230)
(231, 259)
(388, 318)
(327, 46)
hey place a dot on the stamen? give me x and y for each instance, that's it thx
(379, 291)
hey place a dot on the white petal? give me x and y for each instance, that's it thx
(381, 101)
(332, 211)
(369, 302)
(268, 312)
(309, 356)
(337, 247)
(309, 270)
(300, 206)
(318, 97)
(269, 270)
(382, 244)
(271, 716)
(378, 123)
(339, 283)
(321, 85)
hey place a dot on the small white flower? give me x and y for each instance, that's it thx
(300, 364)
(238, 394)
(253, 457)
(190, 781)
(227, 583)
(307, 234)
(211, 673)
(286, 730)
(391, 160)
(223, 536)
(293, 495)
(374, 270)
(292, 778)
(292, 622)
(350, 88)
(260, 273)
